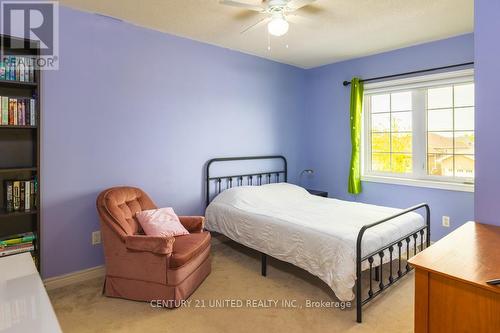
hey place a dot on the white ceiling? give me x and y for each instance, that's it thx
(328, 31)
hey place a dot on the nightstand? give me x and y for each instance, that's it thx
(318, 193)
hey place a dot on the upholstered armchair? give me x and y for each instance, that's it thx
(145, 268)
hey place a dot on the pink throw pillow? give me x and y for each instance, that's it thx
(161, 222)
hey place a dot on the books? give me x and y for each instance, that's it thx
(20, 195)
(16, 195)
(33, 191)
(27, 195)
(17, 68)
(2, 69)
(9, 200)
(4, 110)
(7, 251)
(17, 111)
(18, 243)
(17, 246)
(16, 239)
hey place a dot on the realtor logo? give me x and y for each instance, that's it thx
(32, 20)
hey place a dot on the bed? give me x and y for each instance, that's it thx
(333, 239)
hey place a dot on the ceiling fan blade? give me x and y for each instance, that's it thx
(256, 24)
(242, 5)
(312, 9)
(303, 21)
(246, 15)
(297, 4)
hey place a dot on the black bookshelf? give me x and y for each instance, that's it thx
(17, 84)
(20, 152)
(4, 213)
(17, 126)
(21, 169)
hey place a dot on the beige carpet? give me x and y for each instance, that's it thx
(236, 276)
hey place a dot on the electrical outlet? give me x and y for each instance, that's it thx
(96, 237)
(446, 221)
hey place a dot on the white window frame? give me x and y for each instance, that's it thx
(419, 176)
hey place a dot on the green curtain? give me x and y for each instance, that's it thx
(355, 111)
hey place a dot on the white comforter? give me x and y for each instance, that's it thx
(311, 232)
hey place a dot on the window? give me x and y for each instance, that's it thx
(450, 131)
(420, 131)
(391, 132)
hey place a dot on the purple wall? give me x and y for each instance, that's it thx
(327, 111)
(134, 106)
(487, 54)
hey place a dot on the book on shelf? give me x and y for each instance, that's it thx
(12, 112)
(7, 252)
(35, 186)
(12, 66)
(17, 111)
(32, 195)
(25, 237)
(16, 195)
(2, 69)
(20, 195)
(20, 108)
(17, 65)
(17, 68)
(9, 200)
(18, 246)
(4, 105)
(18, 243)
(27, 195)
(32, 112)
(20, 67)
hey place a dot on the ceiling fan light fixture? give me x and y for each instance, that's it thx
(278, 26)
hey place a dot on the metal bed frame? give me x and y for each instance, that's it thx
(375, 273)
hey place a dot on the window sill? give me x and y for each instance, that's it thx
(419, 183)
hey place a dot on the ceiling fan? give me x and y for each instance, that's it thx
(276, 12)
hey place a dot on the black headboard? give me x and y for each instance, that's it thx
(270, 176)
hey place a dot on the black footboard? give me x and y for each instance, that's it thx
(395, 252)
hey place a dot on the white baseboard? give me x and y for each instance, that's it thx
(74, 277)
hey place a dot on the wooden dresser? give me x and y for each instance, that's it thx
(450, 290)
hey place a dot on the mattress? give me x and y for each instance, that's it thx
(315, 233)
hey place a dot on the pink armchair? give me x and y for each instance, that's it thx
(146, 268)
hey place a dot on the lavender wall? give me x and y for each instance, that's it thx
(487, 53)
(327, 111)
(134, 106)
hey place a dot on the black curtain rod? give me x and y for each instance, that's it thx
(346, 83)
